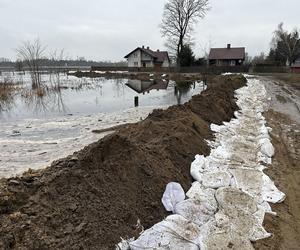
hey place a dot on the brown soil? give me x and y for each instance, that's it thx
(144, 75)
(91, 199)
(285, 171)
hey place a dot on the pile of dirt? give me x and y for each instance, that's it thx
(112, 187)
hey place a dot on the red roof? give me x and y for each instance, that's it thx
(159, 56)
(296, 65)
(227, 53)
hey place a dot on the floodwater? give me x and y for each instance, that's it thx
(39, 127)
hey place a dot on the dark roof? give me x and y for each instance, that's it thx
(225, 53)
(159, 56)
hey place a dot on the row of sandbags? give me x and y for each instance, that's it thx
(226, 205)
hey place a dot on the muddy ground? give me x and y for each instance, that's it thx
(284, 119)
(143, 75)
(112, 187)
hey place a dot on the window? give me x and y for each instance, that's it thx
(136, 64)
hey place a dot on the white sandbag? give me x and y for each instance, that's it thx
(198, 192)
(221, 238)
(240, 212)
(216, 179)
(233, 198)
(199, 212)
(266, 147)
(248, 180)
(175, 232)
(270, 192)
(215, 128)
(198, 166)
(173, 194)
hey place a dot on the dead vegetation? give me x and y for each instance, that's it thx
(8, 90)
(291, 79)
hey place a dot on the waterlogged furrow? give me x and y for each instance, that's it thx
(226, 205)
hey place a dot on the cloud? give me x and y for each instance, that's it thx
(106, 30)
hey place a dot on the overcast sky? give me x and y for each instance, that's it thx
(109, 29)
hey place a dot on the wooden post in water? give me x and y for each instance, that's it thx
(136, 101)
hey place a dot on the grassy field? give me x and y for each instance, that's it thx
(289, 78)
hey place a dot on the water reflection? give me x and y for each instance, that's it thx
(43, 100)
(145, 86)
(181, 88)
(63, 95)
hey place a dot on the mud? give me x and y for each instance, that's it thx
(284, 119)
(285, 170)
(113, 188)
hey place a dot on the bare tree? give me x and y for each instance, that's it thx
(286, 44)
(178, 21)
(56, 57)
(31, 54)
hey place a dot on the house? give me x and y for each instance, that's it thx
(295, 68)
(229, 56)
(143, 57)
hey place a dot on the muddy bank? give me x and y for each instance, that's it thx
(285, 171)
(92, 198)
(140, 75)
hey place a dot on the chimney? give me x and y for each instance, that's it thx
(143, 47)
(148, 47)
(158, 50)
(228, 46)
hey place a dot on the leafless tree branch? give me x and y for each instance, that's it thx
(178, 21)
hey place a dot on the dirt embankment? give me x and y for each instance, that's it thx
(143, 76)
(91, 199)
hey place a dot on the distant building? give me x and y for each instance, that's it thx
(295, 68)
(229, 56)
(143, 57)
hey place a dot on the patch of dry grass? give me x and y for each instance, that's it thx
(7, 92)
(291, 79)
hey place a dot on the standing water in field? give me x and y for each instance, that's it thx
(41, 125)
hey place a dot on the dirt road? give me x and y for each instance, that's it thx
(284, 119)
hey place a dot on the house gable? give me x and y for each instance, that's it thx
(145, 57)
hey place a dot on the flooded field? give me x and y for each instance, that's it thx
(41, 125)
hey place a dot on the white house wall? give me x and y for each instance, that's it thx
(166, 64)
(134, 60)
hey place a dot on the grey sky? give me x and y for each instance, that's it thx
(108, 29)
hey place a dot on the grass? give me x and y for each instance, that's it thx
(289, 78)
(8, 91)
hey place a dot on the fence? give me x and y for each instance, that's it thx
(201, 69)
(270, 69)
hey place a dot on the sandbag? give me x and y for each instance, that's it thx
(173, 194)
